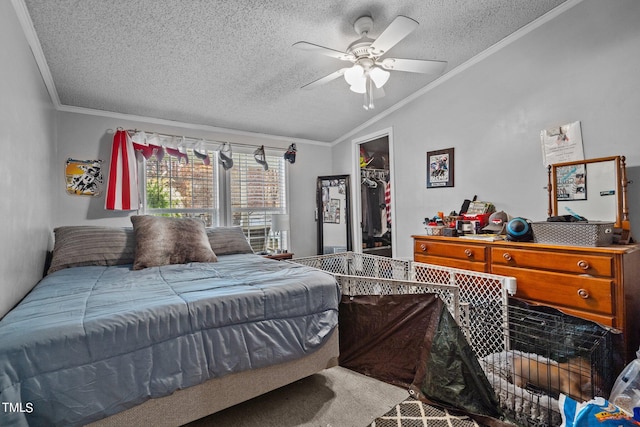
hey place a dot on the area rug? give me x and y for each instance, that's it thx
(413, 413)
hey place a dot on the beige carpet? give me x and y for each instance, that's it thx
(336, 397)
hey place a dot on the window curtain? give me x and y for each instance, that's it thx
(122, 185)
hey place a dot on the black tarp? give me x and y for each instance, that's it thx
(413, 341)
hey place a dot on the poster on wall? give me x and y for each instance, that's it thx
(562, 144)
(440, 168)
(83, 177)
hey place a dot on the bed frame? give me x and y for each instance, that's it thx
(195, 402)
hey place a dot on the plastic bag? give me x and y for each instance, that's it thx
(626, 389)
(596, 412)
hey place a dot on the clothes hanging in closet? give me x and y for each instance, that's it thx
(387, 202)
(376, 198)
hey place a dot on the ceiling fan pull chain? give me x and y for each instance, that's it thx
(369, 93)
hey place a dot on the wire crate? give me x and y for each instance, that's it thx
(545, 354)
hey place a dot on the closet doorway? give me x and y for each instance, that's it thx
(373, 195)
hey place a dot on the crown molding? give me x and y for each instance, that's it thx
(183, 125)
(36, 48)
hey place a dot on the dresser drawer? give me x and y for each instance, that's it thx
(452, 262)
(471, 253)
(583, 293)
(591, 264)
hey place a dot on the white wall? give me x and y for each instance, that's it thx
(27, 138)
(582, 65)
(89, 137)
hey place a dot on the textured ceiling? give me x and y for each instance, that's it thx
(230, 64)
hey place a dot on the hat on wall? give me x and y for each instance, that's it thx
(497, 222)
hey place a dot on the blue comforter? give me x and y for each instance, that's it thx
(88, 342)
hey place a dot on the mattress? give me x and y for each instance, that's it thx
(88, 342)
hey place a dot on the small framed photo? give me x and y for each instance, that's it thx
(440, 168)
(571, 183)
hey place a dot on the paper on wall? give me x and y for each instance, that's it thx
(562, 144)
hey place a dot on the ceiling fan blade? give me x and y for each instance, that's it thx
(400, 28)
(413, 65)
(325, 79)
(310, 47)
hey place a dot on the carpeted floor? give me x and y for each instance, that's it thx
(335, 397)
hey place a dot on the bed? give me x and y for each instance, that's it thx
(162, 325)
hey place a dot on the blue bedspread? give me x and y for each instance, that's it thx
(88, 342)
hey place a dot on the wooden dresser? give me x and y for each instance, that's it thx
(601, 284)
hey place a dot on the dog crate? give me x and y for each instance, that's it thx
(546, 353)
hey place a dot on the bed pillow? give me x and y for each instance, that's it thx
(78, 246)
(162, 241)
(228, 241)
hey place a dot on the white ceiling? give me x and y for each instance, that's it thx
(230, 64)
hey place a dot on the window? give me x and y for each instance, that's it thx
(245, 196)
(256, 194)
(178, 188)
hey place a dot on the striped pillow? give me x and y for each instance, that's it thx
(228, 241)
(77, 246)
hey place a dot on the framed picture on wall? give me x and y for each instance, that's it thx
(440, 168)
(571, 183)
(83, 177)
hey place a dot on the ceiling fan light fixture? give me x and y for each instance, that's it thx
(360, 86)
(379, 76)
(354, 75)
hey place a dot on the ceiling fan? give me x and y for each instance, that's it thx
(370, 71)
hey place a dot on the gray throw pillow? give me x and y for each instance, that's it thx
(228, 241)
(83, 245)
(162, 241)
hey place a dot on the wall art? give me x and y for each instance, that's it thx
(571, 182)
(83, 177)
(440, 168)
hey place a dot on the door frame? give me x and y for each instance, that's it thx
(356, 182)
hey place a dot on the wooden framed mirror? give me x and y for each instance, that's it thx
(334, 214)
(595, 189)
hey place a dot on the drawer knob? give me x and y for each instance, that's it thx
(507, 256)
(583, 264)
(468, 253)
(423, 247)
(583, 293)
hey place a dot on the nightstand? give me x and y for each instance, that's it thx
(279, 257)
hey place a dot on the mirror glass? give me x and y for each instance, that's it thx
(589, 188)
(334, 224)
